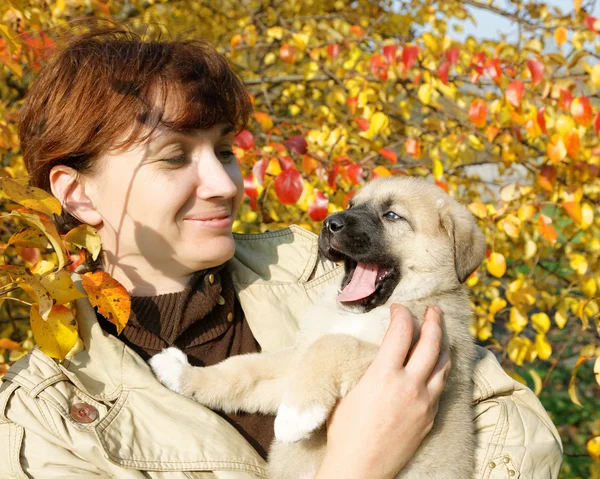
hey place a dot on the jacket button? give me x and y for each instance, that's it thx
(230, 317)
(84, 413)
(492, 465)
(211, 278)
(221, 300)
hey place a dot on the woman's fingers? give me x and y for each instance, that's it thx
(426, 351)
(437, 380)
(398, 338)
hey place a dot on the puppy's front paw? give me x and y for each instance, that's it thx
(168, 366)
(293, 424)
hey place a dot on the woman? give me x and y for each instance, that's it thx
(135, 139)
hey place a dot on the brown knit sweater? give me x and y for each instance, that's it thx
(207, 323)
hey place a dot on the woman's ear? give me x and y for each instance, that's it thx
(70, 189)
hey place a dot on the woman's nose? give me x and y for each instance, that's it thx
(215, 178)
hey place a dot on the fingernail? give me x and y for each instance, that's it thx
(437, 309)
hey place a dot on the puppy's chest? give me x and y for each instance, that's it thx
(328, 319)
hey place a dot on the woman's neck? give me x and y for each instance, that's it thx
(150, 282)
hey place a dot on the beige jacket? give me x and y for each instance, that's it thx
(136, 428)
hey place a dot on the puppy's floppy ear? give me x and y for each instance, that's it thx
(467, 238)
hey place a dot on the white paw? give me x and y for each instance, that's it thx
(168, 366)
(292, 424)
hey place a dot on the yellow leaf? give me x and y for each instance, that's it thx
(587, 216)
(579, 263)
(85, 236)
(438, 169)
(517, 320)
(30, 196)
(526, 212)
(49, 229)
(29, 238)
(264, 120)
(58, 334)
(541, 322)
(537, 381)
(58, 284)
(424, 93)
(12, 38)
(572, 390)
(510, 192)
(23, 278)
(496, 305)
(593, 447)
(542, 346)
(378, 122)
(519, 349)
(512, 226)
(478, 209)
(589, 287)
(595, 75)
(560, 318)
(530, 249)
(109, 296)
(517, 377)
(519, 293)
(496, 265)
(597, 370)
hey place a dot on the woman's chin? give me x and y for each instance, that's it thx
(209, 253)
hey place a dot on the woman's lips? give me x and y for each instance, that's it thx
(210, 220)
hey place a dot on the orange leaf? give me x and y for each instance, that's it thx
(413, 148)
(389, 155)
(109, 296)
(362, 123)
(264, 120)
(478, 113)
(581, 109)
(571, 141)
(547, 231)
(287, 53)
(547, 177)
(514, 93)
(565, 100)
(6, 343)
(573, 208)
(380, 171)
(557, 150)
(560, 35)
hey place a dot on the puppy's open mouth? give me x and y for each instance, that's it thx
(367, 285)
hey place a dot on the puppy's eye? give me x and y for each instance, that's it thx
(390, 215)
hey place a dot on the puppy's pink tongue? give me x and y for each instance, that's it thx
(362, 283)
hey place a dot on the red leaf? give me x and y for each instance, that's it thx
(514, 93)
(389, 155)
(536, 68)
(244, 140)
(452, 55)
(389, 52)
(493, 69)
(318, 209)
(597, 122)
(285, 162)
(332, 176)
(565, 100)
(333, 50)
(354, 173)
(250, 186)
(592, 23)
(443, 72)
(288, 186)
(541, 119)
(347, 198)
(258, 170)
(352, 103)
(29, 254)
(296, 143)
(362, 123)
(409, 55)
(379, 67)
(581, 109)
(478, 113)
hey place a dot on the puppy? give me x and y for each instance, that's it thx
(402, 240)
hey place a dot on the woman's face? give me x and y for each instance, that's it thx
(167, 205)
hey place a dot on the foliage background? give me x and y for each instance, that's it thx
(346, 91)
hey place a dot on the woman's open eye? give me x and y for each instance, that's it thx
(226, 156)
(390, 215)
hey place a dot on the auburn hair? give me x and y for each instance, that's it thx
(108, 88)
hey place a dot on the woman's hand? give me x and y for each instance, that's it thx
(379, 425)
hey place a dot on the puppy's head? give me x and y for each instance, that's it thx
(401, 239)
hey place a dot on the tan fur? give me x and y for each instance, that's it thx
(336, 345)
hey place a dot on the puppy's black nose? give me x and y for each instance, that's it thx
(335, 223)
